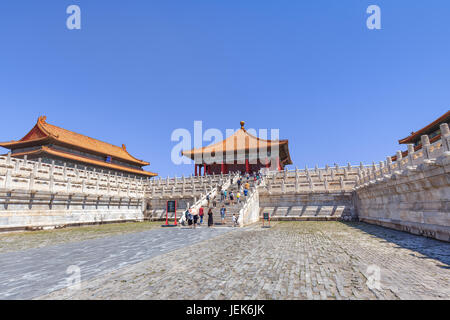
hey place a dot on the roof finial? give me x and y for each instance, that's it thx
(242, 124)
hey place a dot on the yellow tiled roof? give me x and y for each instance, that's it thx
(240, 140)
(43, 130)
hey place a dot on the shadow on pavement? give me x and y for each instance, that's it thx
(430, 248)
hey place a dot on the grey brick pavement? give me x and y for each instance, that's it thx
(306, 260)
(34, 272)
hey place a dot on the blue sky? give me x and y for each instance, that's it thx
(137, 70)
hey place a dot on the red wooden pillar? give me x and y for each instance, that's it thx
(278, 164)
(222, 167)
(246, 166)
(205, 168)
(196, 170)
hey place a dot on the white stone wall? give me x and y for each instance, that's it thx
(22, 209)
(250, 212)
(35, 194)
(412, 194)
(309, 206)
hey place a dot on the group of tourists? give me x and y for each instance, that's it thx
(196, 217)
(193, 216)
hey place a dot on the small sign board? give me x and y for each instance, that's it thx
(171, 206)
(266, 217)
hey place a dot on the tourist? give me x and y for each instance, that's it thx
(195, 214)
(234, 219)
(239, 183)
(222, 195)
(225, 195)
(200, 213)
(238, 197)
(245, 192)
(210, 218)
(223, 210)
(247, 186)
(232, 197)
(190, 218)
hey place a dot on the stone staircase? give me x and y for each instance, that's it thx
(231, 207)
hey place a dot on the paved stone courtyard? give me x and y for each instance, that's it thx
(291, 260)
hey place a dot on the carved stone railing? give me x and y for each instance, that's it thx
(427, 154)
(413, 193)
(328, 179)
(249, 212)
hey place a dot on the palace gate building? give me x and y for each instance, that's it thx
(51, 144)
(240, 152)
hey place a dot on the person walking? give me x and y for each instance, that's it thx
(190, 218)
(210, 218)
(239, 183)
(200, 213)
(238, 197)
(225, 195)
(223, 211)
(232, 197)
(195, 214)
(234, 220)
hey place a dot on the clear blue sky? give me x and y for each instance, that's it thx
(137, 70)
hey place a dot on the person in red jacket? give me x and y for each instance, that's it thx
(200, 213)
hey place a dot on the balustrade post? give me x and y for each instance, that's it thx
(445, 137)
(425, 146)
(399, 159)
(52, 185)
(389, 164)
(16, 167)
(31, 184)
(411, 153)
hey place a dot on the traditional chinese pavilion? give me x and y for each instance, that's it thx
(241, 152)
(56, 145)
(432, 130)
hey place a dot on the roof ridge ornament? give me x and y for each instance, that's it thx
(242, 125)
